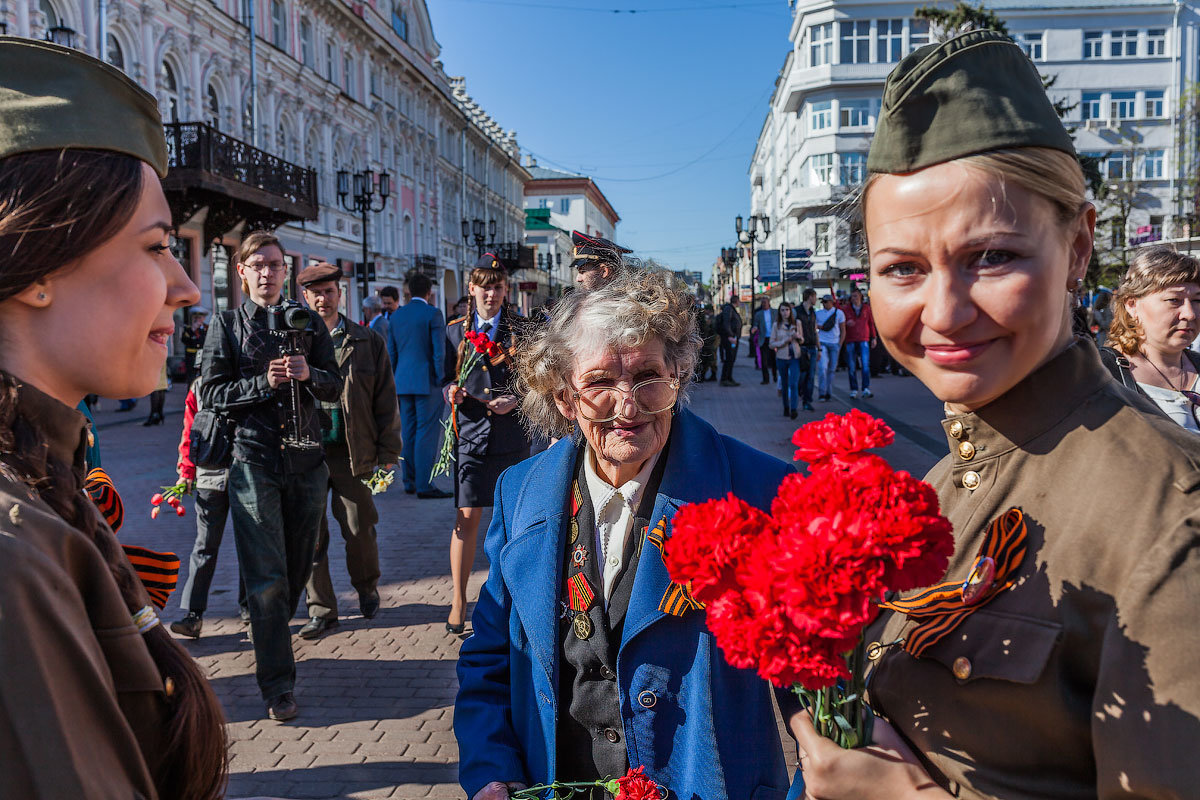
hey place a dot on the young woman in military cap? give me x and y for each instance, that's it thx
(1060, 658)
(490, 435)
(97, 699)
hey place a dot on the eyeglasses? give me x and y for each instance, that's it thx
(267, 266)
(603, 403)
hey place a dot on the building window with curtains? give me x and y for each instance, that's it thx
(278, 25)
(855, 113)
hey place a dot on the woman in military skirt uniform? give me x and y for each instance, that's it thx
(1060, 660)
(490, 435)
(96, 700)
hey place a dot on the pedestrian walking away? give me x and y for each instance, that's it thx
(361, 432)
(729, 328)
(490, 436)
(98, 700)
(373, 317)
(417, 350)
(266, 363)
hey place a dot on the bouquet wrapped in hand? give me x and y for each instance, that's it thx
(480, 346)
(790, 592)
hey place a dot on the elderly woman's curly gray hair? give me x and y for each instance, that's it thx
(638, 307)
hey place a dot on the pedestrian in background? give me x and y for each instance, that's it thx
(831, 333)
(861, 338)
(361, 432)
(491, 437)
(711, 342)
(787, 342)
(98, 700)
(417, 349)
(372, 306)
(277, 483)
(596, 261)
(806, 317)
(1156, 316)
(211, 493)
(192, 337)
(390, 297)
(729, 328)
(158, 399)
(760, 333)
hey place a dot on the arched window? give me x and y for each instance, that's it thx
(169, 90)
(116, 56)
(53, 20)
(282, 145)
(278, 25)
(212, 107)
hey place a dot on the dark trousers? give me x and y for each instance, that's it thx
(275, 522)
(419, 418)
(354, 510)
(769, 369)
(808, 375)
(728, 356)
(212, 508)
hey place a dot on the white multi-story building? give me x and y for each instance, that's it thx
(575, 201)
(1121, 66)
(339, 86)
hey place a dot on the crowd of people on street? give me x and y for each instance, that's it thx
(1073, 677)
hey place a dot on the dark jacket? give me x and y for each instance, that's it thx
(235, 381)
(808, 324)
(480, 432)
(729, 322)
(368, 398)
(1118, 366)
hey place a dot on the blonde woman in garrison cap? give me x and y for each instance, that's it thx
(96, 699)
(1064, 664)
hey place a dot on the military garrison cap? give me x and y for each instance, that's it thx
(593, 251)
(970, 94)
(54, 97)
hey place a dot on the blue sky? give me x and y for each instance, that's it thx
(661, 107)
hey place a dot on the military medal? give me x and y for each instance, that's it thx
(579, 556)
(977, 584)
(583, 626)
(576, 504)
(580, 596)
(574, 531)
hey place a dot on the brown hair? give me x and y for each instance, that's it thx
(55, 207)
(250, 245)
(1153, 269)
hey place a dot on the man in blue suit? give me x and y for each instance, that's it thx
(416, 344)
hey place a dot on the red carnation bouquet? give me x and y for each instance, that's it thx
(481, 346)
(635, 785)
(789, 593)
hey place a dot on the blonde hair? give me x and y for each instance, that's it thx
(1153, 269)
(252, 244)
(637, 307)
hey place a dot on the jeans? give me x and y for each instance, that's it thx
(789, 373)
(419, 418)
(354, 510)
(728, 356)
(808, 375)
(212, 508)
(858, 358)
(275, 521)
(829, 357)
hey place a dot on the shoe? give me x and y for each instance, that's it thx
(809, 407)
(853, 394)
(826, 398)
(188, 626)
(435, 494)
(868, 393)
(244, 615)
(318, 626)
(368, 604)
(765, 381)
(795, 413)
(456, 629)
(409, 490)
(786, 413)
(283, 707)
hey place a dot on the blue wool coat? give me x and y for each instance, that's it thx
(711, 734)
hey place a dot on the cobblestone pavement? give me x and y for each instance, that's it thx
(376, 698)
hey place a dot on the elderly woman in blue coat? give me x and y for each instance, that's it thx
(586, 660)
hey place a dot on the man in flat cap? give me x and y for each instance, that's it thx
(596, 261)
(361, 432)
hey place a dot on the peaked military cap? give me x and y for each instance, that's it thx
(593, 250)
(970, 94)
(54, 97)
(490, 261)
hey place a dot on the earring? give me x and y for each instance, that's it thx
(1078, 284)
(41, 295)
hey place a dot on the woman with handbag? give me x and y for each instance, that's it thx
(787, 340)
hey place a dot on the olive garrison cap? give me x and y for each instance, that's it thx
(54, 97)
(317, 273)
(970, 94)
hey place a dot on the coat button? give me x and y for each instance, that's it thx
(612, 735)
(956, 429)
(970, 480)
(489, 413)
(607, 673)
(962, 668)
(487, 391)
(647, 699)
(966, 451)
(484, 369)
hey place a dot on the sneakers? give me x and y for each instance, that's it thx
(868, 393)
(853, 394)
(318, 627)
(189, 626)
(283, 707)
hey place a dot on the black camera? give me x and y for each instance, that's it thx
(288, 316)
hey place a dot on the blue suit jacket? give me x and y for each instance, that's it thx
(416, 344)
(711, 734)
(380, 325)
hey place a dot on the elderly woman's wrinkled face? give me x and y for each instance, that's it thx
(1168, 318)
(622, 445)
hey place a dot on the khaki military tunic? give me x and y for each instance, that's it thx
(1083, 680)
(81, 701)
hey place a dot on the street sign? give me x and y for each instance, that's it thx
(799, 275)
(793, 255)
(798, 265)
(768, 266)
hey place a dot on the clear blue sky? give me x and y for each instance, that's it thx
(679, 87)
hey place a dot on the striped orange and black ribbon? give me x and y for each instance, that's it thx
(100, 488)
(677, 600)
(939, 609)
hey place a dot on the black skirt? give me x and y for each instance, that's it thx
(475, 477)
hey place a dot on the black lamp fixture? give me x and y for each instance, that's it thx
(368, 187)
(61, 34)
(759, 224)
(474, 228)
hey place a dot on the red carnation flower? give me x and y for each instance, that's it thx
(636, 786)
(840, 435)
(706, 541)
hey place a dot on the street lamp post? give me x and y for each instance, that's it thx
(357, 194)
(474, 229)
(758, 224)
(548, 261)
(729, 256)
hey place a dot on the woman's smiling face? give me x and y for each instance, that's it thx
(970, 278)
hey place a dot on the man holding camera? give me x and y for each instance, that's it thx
(266, 364)
(362, 432)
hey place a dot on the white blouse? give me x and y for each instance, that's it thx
(1173, 404)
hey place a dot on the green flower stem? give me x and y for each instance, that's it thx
(838, 711)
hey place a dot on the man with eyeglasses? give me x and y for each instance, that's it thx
(278, 478)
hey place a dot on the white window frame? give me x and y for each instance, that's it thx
(1122, 157)
(889, 40)
(820, 44)
(1121, 41)
(1155, 104)
(852, 168)
(855, 114)
(820, 169)
(1092, 105)
(820, 116)
(854, 40)
(1122, 105)
(918, 33)
(1156, 42)
(1154, 164)
(279, 24)
(1033, 43)
(1093, 44)
(821, 239)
